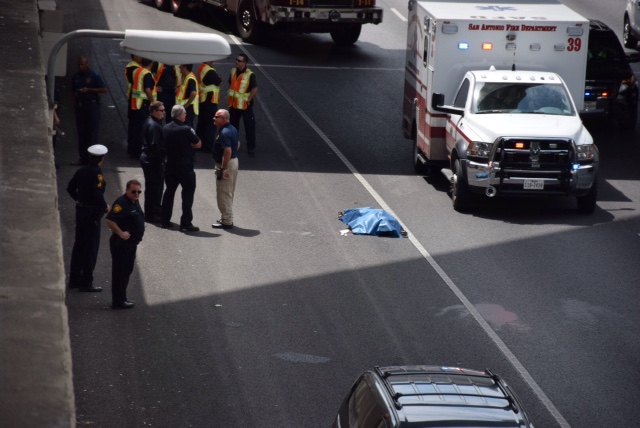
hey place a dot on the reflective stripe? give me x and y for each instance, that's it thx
(238, 97)
(205, 89)
(182, 98)
(126, 76)
(138, 94)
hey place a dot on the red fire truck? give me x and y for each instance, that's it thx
(342, 19)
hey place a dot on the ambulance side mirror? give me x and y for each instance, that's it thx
(437, 104)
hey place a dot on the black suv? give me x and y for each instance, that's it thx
(610, 78)
(418, 396)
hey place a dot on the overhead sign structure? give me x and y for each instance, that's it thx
(169, 47)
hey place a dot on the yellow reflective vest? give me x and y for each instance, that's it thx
(182, 97)
(238, 94)
(205, 89)
(138, 94)
(131, 64)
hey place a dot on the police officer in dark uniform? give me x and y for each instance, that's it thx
(87, 188)
(152, 162)
(87, 86)
(126, 221)
(180, 140)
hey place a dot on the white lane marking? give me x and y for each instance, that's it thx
(401, 16)
(452, 286)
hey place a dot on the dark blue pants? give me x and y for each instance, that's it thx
(123, 257)
(174, 178)
(206, 130)
(249, 124)
(153, 187)
(134, 134)
(87, 125)
(85, 248)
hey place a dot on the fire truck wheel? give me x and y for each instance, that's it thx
(248, 25)
(179, 8)
(460, 194)
(627, 37)
(587, 203)
(346, 34)
(163, 4)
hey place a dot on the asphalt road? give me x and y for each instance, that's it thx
(269, 324)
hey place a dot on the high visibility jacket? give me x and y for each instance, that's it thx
(182, 97)
(138, 94)
(176, 72)
(133, 64)
(205, 89)
(238, 94)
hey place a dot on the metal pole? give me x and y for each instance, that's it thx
(51, 64)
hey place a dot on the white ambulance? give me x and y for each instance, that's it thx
(492, 94)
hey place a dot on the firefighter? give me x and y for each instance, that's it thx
(143, 93)
(209, 85)
(187, 93)
(168, 78)
(243, 88)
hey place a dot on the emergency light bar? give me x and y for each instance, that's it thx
(463, 46)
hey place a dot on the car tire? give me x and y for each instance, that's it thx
(461, 196)
(628, 38)
(162, 4)
(249, 29)
(346, 35)
(179, 8)
(587, 203)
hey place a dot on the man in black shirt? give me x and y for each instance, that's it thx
(86, 187)
(180, 141)
(126, 221)
(152, 161)
(209, 85)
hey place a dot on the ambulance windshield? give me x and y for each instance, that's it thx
(521, 98)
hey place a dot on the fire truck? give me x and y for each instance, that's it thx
(342, 19)
(492, 97)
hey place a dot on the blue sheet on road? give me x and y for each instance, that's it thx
(372, 221)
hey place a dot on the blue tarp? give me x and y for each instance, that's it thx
(372, 221)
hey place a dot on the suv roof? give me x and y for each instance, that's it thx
(457, 396)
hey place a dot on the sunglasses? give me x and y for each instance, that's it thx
(137, 192)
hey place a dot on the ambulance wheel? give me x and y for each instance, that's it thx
(179, 8)
(419, 167)
(587, 203)
(346, 34)
(627, 36)
(461, 196)
(246, 22)
(162, 4)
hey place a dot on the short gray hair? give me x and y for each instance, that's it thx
(177, 110)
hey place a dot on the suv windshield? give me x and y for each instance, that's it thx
(521, 98)
(604, 46)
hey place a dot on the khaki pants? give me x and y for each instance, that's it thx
(225, 190)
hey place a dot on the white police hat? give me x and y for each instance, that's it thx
(97, 150)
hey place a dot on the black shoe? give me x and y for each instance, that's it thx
(220, 225)
(251, 151)
(124, 305)
(91, 289)
(189, 228)
(166, 226)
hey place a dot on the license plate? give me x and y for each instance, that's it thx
(533, 184)
(589, 105)
(323, 15)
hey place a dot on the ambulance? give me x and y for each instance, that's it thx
(492, 97)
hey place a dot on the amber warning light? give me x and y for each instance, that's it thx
(519, 145)
(487, 46)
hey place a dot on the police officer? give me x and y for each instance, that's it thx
(87, 188)
(152, 161)
(87, 85)
(243, 88)
(180, 140)
(209, 86)
(126, 221)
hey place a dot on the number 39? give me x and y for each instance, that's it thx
(575, 44)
